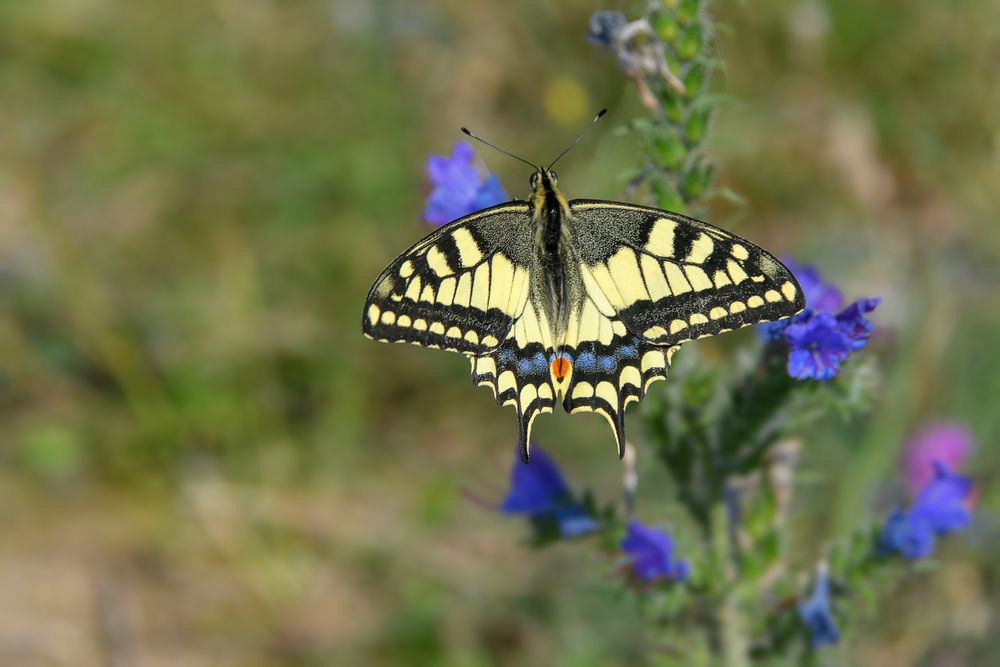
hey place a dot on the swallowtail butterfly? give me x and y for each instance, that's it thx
(581, 303)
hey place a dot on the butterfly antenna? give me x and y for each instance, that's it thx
(497, 148)
(582, 135)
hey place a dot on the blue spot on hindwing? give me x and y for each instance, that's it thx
(608, 363)
(586, 361)
(539, 363)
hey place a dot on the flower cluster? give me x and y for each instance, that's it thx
(942, 499)
(459, 187)
(539, 492)
(824, 335)
(941, 507)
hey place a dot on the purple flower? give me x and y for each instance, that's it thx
(944, 502)
(942, 507)
(820, 338)
(906, 535)
(651, 554)
(816, 347)
(852, 322)
(459, 187)
(948, 443)
(816, 613)
(819, 295)
(538, 491)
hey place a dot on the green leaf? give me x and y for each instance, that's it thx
(666, 195)
(664, 25)
(694, 80)
(668, 151)
(687, 10)
(695, 181)
(690, 42)
(696, 126)
(673, 108)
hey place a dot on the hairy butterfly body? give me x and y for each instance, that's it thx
(580, 303)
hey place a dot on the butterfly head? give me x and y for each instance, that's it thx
(540, 176)
(542, 181)
(545, 194)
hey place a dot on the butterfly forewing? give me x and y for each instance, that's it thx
(671, 279)
(461, 288)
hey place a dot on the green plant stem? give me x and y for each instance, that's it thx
(728, 632)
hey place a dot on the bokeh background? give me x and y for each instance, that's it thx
(202, 462)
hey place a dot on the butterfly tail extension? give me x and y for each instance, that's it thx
(608, 376)
(518, 376)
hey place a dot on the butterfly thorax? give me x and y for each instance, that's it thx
(555, 280)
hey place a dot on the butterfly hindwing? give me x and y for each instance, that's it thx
(460, 288)
(612, 367)
(518, 373)
(671, 279)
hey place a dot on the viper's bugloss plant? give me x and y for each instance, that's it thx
(729, 442)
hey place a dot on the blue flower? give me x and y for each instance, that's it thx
(538, 491)
(816, 613)
(943, 503)
(604, 25)
(459, 187)
(816, 347)
(852, 321)
(820, 338)
(942, 507)
(651, 554)
(906, 535)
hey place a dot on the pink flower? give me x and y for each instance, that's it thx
(947, 444)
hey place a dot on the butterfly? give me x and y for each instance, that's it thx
(580, 302)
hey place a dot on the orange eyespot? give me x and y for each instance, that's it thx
(560, 367)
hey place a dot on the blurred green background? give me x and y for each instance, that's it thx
(203, 461)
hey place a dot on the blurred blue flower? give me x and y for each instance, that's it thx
(538, 491)
(819, 295)
(459, 187)
(651, 554)
(942, 507)
(820, 338)
(604, 25)
(816, 613)
(944, 502)
(906, 535)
